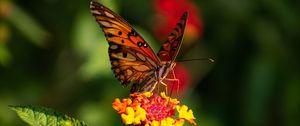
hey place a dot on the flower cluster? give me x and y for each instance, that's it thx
(150, 109)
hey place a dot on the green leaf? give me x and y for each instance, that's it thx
(41, 116)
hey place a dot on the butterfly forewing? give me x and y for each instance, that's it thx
(171, 46)
(132, 59)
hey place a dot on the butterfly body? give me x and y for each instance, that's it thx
(158, 78)
(132, 59)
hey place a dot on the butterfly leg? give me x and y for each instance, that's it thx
(174, 79)
(166, 86)
(177, 80)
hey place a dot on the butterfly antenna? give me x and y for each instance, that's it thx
(201, 59)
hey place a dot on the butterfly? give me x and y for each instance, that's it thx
(132, 59)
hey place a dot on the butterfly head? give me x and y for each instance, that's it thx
(164, 69)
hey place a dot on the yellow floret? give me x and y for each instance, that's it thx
(148, 94)
(184, 113)
(134, 116)
(179, 122)
(172, 100)
(154, 123)
(140, 115)
(167, 122)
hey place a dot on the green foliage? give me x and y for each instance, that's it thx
(28, 26)
(41, 116)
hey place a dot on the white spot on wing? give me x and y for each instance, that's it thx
(92, 6)
(109, 14)
(113, 47)
(104, 23)
(96, 12)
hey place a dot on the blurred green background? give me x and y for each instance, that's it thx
(53, 54)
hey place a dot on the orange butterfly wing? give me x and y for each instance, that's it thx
(171, 46)
(132, 59)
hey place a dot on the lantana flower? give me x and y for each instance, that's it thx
(148, 109)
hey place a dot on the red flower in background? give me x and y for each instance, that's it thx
(182, 74)
(168, 13)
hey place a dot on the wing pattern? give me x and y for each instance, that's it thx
(171, 46)
(132, 59)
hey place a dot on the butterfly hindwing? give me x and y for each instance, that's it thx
(171, 46)
(132, 59)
